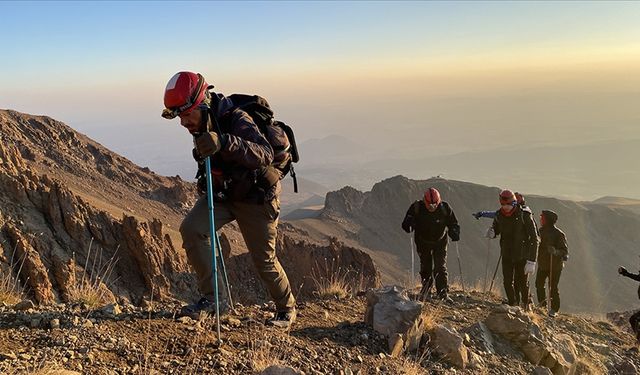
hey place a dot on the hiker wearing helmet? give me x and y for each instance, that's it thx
(518, 246)
(552, 253)
(492, 214)
(240, 159)
(432, 220)
(634, 320)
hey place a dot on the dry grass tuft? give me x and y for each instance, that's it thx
(263, 354)
(535, 317)
(431, 315)
(334, 283)
(11, 291)
(43, 367)
(91, 288)
(411, 367)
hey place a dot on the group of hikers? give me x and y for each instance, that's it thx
(247, 153)
(521, 243)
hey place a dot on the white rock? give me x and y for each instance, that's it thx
(391, 312)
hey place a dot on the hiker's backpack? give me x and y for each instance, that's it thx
(279, 135)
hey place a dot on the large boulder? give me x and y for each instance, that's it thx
(393, 314)
(515, 326)
(447, 343)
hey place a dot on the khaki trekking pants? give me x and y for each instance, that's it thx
(258, 224)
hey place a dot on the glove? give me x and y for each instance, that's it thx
(477, 215)
(530, 267)
(208, 144)
(490, 233)
(622, 270)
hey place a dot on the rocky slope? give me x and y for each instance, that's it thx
(475, 335)
(76, 216)
(600, 238)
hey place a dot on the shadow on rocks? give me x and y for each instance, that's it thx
(345, 334)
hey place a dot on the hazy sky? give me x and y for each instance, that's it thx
(431, 77)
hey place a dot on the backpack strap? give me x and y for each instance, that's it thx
(446, 209)
(416, 208)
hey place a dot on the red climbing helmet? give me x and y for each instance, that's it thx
(432, 197)
(507, 197)
(184, 92)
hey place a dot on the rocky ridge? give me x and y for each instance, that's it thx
(474, 335)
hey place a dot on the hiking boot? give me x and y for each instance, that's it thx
(425, 294)
(445, 298)
(552, 313)
(194, 310)
(283, 319)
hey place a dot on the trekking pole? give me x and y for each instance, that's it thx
(460, 267)
(413, 279)
(213, 239)
(495, 273)
(550, 277)
(528, 294)
(486, 267)
(224, 273)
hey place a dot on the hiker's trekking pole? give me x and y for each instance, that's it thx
(495, 273)
(550, 277)
(413, 279)
(213, 239)
(486, 267)
(460, 267)
(224, 273)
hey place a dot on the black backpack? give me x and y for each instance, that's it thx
(279, 135)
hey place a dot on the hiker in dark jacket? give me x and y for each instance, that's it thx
(634, 320)
(432, 220)
(240, 157)
(518, 246)
(552, 253)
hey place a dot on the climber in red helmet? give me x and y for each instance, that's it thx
(432, 220)
(518, 245)
(240, 155)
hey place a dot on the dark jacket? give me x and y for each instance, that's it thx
(518, 234)
(634, 277)
(552, 237)
(431, 227)
(238, 168)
